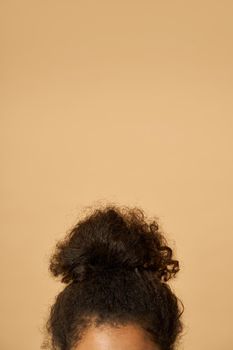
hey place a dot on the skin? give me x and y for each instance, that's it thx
(128, 337)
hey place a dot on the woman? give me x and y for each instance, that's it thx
(116, 263)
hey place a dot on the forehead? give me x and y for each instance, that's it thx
(129, 337)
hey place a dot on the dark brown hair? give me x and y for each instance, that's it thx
(116, 264)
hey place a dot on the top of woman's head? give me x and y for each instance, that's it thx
(115, 262)
(113, 236)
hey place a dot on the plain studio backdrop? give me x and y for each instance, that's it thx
(125, 101)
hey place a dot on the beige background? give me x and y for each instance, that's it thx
(125, 101)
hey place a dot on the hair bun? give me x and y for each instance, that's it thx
(109, 238)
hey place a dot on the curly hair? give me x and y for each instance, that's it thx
(116, 264)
